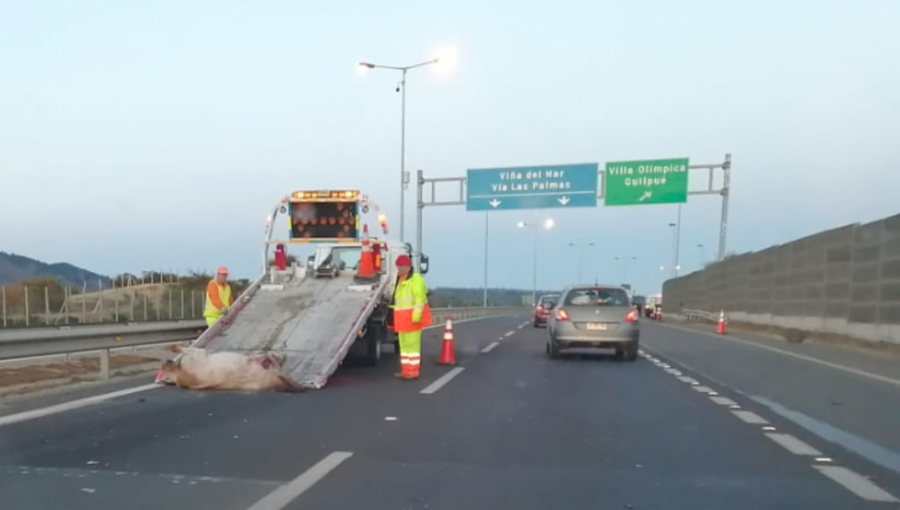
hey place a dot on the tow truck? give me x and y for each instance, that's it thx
(316, 322)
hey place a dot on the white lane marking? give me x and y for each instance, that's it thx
(521, 326)
(688, 380)
(509, 333)
(823, 459)
(284, 495)
(793, 445)
(769, 428)
(750, 417)
(75, 404)
(390, 418)
(857, 484)
(444, 379)
(855, 371)
(490, 347)
(703, 389)
(723, 401)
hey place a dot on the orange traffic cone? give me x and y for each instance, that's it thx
(159, 376)
(721, 328)
(366, 271)
(448, 354)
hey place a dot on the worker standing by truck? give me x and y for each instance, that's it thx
(411, 315)
(218, 297)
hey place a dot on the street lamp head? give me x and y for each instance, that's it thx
(363, 67)
(445, 59)
(548, 223)
(521, 224)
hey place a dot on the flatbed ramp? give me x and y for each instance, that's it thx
(313, 322)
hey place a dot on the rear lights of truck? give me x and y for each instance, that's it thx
(631, 316)
(561, 315)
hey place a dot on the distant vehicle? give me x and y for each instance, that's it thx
(599, 317)
(639, 303)
(543, 309)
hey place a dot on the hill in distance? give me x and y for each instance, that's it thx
(16, 268)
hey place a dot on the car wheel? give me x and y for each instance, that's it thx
(631, 352)
(553, 349)
(536, 324)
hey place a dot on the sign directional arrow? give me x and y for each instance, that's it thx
(494, 203)
(645, 196)
(564, 200)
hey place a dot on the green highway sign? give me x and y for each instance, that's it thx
(656, 181)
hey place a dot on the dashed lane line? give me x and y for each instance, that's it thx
(855, 371)
(509, 334)
(857, 484)
(284, 495)
(490, 347)
(723, 401)
(442, 381)
(793, 445)
(703, 389)
(750, 417)
(688, 380)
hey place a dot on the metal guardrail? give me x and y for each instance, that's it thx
(700, 315)
(37, 342)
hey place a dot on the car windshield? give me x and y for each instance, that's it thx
(549, 300)
(597, 296)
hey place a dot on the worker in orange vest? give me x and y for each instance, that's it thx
(218, 297)
(411, 315)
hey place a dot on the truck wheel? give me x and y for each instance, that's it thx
(373, 350)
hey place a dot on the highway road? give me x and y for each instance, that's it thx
(698, 422)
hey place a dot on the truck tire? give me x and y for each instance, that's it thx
(373, 350)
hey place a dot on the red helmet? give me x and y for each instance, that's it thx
(404, 261)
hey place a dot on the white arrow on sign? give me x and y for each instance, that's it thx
(494, 203)
(645, 196)
(564, 200)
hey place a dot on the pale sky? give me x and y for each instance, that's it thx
(158, 135)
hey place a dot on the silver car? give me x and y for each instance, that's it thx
(594, 316)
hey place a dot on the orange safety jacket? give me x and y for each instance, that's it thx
(411, 310)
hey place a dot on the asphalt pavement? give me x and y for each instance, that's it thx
(506, 428)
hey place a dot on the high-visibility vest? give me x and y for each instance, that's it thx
(411, 310)
(223, 293)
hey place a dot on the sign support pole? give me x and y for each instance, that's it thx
(726, 191)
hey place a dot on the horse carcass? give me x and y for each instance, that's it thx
(198, 369)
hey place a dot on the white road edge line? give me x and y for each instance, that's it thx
(793, 445)
(490, 347)
(284, 495)
(74, 404)
(443, 380)
(750, 417)
(687, 380)
(703, 389)
(817, 361)
(857, 484)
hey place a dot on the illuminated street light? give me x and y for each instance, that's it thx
(365, 67)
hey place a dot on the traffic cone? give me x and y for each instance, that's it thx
(159, 376)
(448, 354)
(366, 271)
(721, 328)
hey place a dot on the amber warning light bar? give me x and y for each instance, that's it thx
(336, 195)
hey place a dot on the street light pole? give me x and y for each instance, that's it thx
(677, 239)
(580, 248)
(548, 224)
(404, 178)
(700, 258)
(674, 227)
